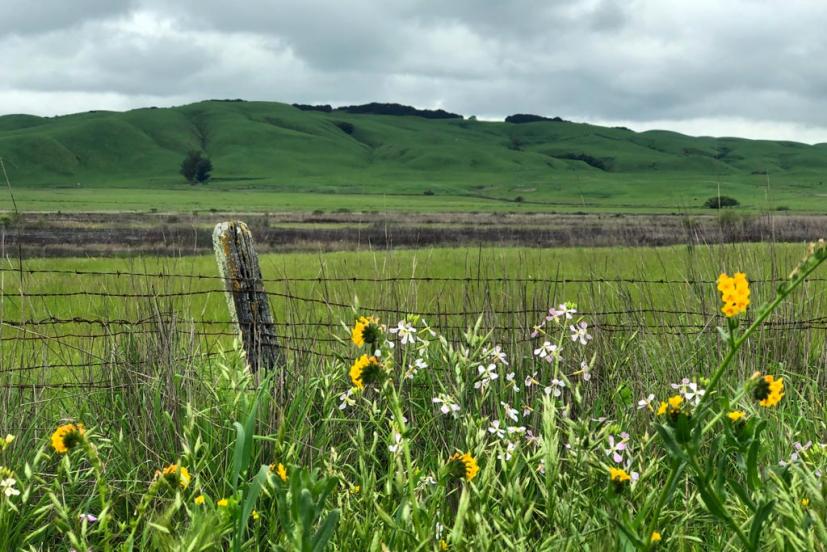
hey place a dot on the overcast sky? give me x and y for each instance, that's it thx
(714, 67)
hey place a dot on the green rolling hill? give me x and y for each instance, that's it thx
(273, 156)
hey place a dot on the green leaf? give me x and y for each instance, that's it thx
(753, 478)
(238, 455)
(325, 531)
(683, 428)
(742, 494)
(758, 522)
(253, 491)
(672, 446)
(462, 510)
(384, 516)
(712, 503)
(307, 511)
(639, 544)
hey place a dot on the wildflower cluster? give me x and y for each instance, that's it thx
(368, 369)
(619, 451)
(734, 293)
(677, 408)
(713, 454)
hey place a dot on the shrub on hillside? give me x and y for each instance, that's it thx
(345, 127)
(717, 202)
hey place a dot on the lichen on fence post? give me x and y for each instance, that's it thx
(246, 298)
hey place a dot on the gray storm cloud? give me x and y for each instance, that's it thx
(752, 68)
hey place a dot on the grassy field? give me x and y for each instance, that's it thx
(648, 289)
(146, 362)
(273, 157)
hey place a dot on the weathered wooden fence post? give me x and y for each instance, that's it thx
(246, 298)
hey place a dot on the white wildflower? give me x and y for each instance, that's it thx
(556, 387)
(397, 442)
(406, 332)
(8, 487)
(512, 413)
(496, 354)
(495, 429)
(447, 404)
(580, 333)
(646, 402)
(548, 351)
(347, 399)
(486, 374)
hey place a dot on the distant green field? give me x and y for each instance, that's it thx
(272, 157)
(516, 304)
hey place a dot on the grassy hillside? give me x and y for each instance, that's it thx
(260, 150)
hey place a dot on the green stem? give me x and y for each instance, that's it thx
(142, 507)
(664, 496)
(396, 407)
(709, 492)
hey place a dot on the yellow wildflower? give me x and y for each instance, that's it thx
(67, 437)
(365, 371)
(655, 537)
(464, 465)
(176, 476)
(279, 470)
(443, 545)
(365, 330)
(734, 293)
(675, 402)
(672, 406)
(736, 415)
(805, 502)
(618, 475)
(256, 515)
(223, 503)
(199, 500)
(769, 391)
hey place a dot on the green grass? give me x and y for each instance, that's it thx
(377, 474)
(509, 307)
(270, 157)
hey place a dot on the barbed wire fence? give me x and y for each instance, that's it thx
(72, 328)
(321, 335)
